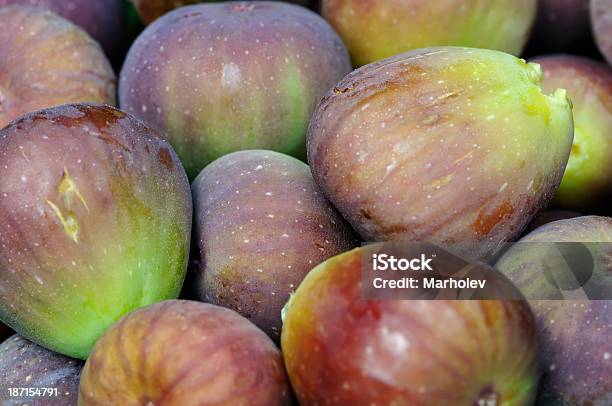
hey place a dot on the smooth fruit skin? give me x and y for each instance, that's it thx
(374, 30)
(447, 145)
(95, 220)
(576, 351)
(24, 364)
(217, 78)
(47, 61)
(261, 224)
(587, 181)
(150, 10)
(186, 354)
(548, 216)
(342, 350)
(601, 22)
(102, 19)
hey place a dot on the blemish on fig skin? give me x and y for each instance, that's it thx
(166, 159)
(487, 221)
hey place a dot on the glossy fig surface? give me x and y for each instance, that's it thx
(184, 353)
(95, 219)
(341, 349)
(448, 145)
(574, 332)
(221, 77)
(46, 61)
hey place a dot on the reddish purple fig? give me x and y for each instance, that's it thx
(178, 353)
(33, 375)
(601, 21)
(261, 224)
(576, 350)
(102, 19)
(95, 220)
(46, 61)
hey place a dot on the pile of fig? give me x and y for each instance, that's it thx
(190, 192)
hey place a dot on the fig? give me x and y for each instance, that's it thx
(574, 334)
(184, 353)
(588, 179)
(150, 10)
(561, 25)
(404, 352)
(47, 61)
(217, 78)
(51, 378)
(95, 220)
(601, 22)
(102, 19)
(456, 146)
(374, 30)
(260, 225)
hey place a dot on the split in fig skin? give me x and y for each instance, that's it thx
(217, 78)
(180, 353)
(47, 61)
(261, 224)
(587, 181)
(102, 19)
(405, 352)
(374, 29)
(575, 345)
(456, 146)
(95, 220)
(24, 364)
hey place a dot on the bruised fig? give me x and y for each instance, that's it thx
(447, 145)
(95, 220)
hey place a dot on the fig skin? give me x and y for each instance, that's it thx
(340, 349)
(374, 30)
(102, 19)
(561, 25)
(261, 224)
(601, 23)
(150, 10)
(47, 61)
(574, 334)
(549, 216)
(95, 220)
(24, 364)
(217, 78)
(442, 145)
(587, 181)
(184, 353)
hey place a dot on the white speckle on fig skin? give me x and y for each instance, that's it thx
(269, 245)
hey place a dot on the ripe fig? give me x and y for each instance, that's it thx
(95, 219)
(184, 353)
(374, 30)
(52, 379)
(217, 78)
(102, 19)
(576, 351)
(404, 352)
(261, 224)
(46, 61)
(588, 178)
(447, 145)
